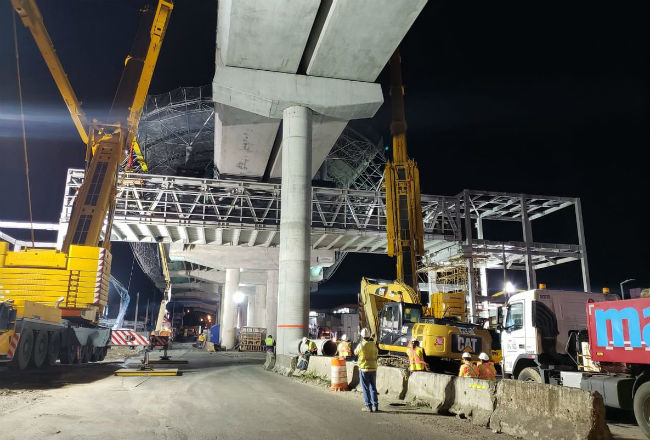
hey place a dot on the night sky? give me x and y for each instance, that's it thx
(542, 98)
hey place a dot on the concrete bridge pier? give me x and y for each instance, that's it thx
(295, 226)
(229, 308)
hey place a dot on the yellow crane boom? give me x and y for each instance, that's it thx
(402, 181)
(76, 278)
(33, 20)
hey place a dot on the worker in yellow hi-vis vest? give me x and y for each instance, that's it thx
(415, 354)
(367, 354)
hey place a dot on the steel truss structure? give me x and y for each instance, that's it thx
(153, 208)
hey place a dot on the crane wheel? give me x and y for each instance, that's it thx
(68, 354)
(86, 353)
(41, 344)
(53, 349)
(23, 355)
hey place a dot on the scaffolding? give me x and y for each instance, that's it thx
(176, 132)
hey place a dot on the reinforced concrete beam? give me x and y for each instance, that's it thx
(353, 39)
(223, 257)
(266, 35)
(268, 93)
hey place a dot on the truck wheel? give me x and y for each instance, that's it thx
(642, 408)
(25, 349)
(53, 349)
(40, 348)
(530, 374)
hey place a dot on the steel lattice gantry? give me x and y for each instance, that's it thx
(171, 209)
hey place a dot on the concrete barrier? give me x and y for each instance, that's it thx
(269, 363)
(474, 399)
(320, 366)
(352, 370)
(531, 410)
(435, 389)
(392, 381)
(285, 364)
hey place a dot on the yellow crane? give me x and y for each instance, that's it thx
(392, 310)
(40, 287)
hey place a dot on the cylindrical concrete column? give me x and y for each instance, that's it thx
(260, 305)
(229, 309)
(295, 227)
(271, 302)
(251, 317)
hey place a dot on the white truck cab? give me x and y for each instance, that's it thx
(536, 326)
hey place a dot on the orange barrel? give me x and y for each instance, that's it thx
(339, 374)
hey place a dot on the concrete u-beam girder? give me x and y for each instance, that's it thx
(247, 277)
(265, 35)
(225, 257)
(353, 39)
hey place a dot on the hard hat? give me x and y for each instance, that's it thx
(344, 338)
(365, 333)
(304, 339)
(466, 355)
(414, 340)
(484, 357)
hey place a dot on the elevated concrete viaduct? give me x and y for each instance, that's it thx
(311, 65)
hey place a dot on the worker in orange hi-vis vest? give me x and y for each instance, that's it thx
(415, 354)
(486, 368)
(468, 369)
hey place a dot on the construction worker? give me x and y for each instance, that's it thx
(269, 342)
(201, 341)
(486, 368)
(367, 360)
(415, 354)
(468, 369)
(344, 349)
(309, 346)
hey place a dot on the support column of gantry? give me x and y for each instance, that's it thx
(229, 309)
(295, 227)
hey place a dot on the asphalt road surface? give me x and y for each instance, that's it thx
(219, 396)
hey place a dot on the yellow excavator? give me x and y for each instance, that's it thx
(392, 310)
(51, 300)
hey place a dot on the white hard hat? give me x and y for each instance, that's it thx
(484, 357)
(414, 340)
(304, 339)
(344, 338)
(365, 333)
(466, 355)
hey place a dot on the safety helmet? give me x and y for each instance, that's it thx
(484, 357)
(414, 340)
(344, 338)
(466, 355)
(304, 339)
(365, 333)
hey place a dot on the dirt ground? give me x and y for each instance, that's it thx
(219, 396)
